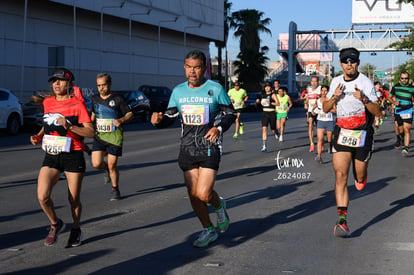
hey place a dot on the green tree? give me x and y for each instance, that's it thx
(369, 70)
(222, 44)
(251, 67)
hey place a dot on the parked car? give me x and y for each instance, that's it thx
(251, 105)
(11, 113)
(33, 110)
(158, 96)
(138, 102)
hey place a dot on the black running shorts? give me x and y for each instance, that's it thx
(110, 149)
(359, 153)
(69, 162)
(188, 162)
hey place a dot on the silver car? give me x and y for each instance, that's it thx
(11, 114)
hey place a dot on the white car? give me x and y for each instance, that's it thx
(11, 114)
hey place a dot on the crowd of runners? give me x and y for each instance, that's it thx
(347, 114)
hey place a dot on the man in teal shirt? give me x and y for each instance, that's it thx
(206, 112)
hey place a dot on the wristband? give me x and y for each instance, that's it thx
(220, 129)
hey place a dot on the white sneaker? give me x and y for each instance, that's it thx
(276, 136)
(281, 139)
(264, 149)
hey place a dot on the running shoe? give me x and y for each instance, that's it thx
(75, 238)
(241, 129)
(341, 229)
(404, 152)
(264, 149)
(276, 137)
(107, 178)
(360, 186)
(115, 195)
(281, 139)
(206, 236)
(235, 135)
(381, 122)
(318, 159)
(54, 230)
(398, 143)
(312, 147)
(223, 219)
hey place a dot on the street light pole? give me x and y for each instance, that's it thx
(102, 9)
(130, 43)
(159, 42)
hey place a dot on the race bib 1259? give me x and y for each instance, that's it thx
(54, 145)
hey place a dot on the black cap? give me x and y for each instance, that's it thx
(268, 84)
(62, 74)
(351, 53)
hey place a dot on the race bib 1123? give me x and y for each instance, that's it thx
(195, 114)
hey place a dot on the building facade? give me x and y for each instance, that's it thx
(137, 41)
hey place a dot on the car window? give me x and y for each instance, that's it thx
(4, 96)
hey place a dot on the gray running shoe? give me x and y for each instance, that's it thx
(107, 178)
(206, 236)
(115, 195)
(404, 152)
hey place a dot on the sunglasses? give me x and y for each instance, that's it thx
(348, 59)
(404, 78)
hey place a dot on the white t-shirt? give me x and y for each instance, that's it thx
(349, 110)
(313, 95)
(322, 116)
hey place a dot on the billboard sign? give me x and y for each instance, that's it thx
(381, 12)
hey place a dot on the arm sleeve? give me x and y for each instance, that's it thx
(228, 115)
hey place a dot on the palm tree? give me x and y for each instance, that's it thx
(222, 44)
(251, 68)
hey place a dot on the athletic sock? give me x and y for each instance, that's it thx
(264, 142)
(342, 212)
(220, 206)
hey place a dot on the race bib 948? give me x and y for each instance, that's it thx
(195, 114)
(352, 138)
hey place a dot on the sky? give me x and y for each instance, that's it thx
(308, 15)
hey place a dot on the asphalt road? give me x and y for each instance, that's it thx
(282, 218)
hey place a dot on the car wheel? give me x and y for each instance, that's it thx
(13, 125)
